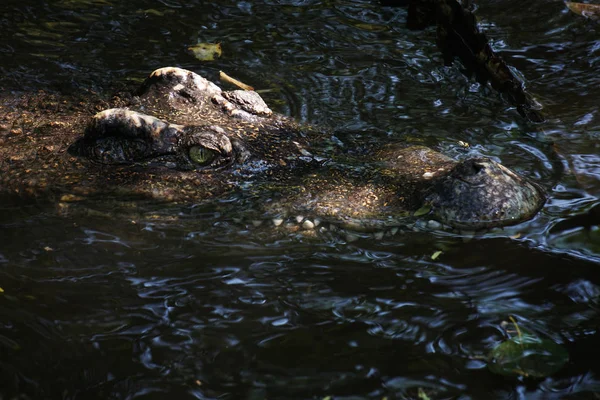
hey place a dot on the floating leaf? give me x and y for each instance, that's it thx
(435, 255)
(206, 51)
(69, 198)
(154, 12)
(422, 395)
(527, 355)
(591, 11)
(423, 210)
(370, 27)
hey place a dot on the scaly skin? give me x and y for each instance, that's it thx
(147, 150)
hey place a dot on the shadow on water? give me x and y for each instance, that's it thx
(187, 302)
(204, 308)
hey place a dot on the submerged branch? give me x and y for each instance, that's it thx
(458, 36)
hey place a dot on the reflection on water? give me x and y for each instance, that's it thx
(128, 309)
(195, 305)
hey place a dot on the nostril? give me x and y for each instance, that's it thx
(470, 168)
(477, 167)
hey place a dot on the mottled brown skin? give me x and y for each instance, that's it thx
(473, 194)
(146, 151)
(37, 131)
(35, 136)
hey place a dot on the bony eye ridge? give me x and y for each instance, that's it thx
(202, 155)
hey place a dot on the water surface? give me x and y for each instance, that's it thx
(193, 305)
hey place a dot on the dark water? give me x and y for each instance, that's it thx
(193, 306)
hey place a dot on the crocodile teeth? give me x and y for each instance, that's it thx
(431, 224)
(351, 237)
(307, 224)
(277, 221)
(378, 235)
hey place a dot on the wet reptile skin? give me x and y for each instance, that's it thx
(147, 149)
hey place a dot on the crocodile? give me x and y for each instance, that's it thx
(181, 139)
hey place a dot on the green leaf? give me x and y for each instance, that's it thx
(527, 355)
(422, 395)
(423, 210)
(435, 255)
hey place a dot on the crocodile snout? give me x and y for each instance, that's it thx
(480, 193)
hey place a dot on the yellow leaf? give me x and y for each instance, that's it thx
(152, 11)
(436, 255)
(591, 11)
(206, 51)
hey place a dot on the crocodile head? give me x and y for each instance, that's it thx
(183, 139)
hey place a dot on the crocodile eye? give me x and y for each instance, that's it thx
(201, 155)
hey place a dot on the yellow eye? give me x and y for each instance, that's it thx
(201, 155)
